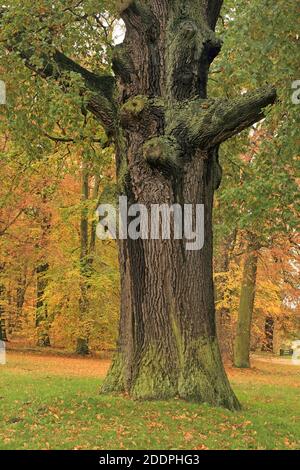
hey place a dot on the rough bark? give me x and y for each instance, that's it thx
(247, 298)
(167, 134)
(171, 132)
(167, 344)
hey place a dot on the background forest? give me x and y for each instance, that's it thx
(59, 284)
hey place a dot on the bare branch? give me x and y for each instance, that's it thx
(11, 222)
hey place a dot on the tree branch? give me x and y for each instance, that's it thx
(11, 222)
(213, 11)
(101, 102)
(207, 123)
(56, 64)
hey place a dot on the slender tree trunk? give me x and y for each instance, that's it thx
(3, 336)
(20, 298)
(223, 320)
(268, 345)
(3, 329)
(41, 319)
(82, 346)
(93, 229)
(247, 297)
(87, 251)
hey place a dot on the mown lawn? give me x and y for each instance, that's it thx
(53, 403)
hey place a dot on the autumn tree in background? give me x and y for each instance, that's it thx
(259, 193)
(27, 241)
(49, 139)
(277, 296)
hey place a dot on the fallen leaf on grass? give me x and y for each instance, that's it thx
(201, 447)
(188, 436)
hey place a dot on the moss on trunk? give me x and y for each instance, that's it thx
(115, 379)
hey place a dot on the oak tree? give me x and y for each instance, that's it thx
(167, 134)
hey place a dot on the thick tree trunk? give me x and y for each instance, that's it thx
(268, 345)
(167, 343)
(247, 297)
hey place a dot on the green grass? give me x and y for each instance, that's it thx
(41, 411)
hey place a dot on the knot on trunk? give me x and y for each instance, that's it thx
(138, 16)
(144, 115)
(162, 151)
(193, 46)
(134, 106)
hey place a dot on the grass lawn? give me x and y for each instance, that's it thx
(51, 402)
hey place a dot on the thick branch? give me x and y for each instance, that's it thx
(55, 65)
(213, 12)
(101, 101)
(207, 123)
